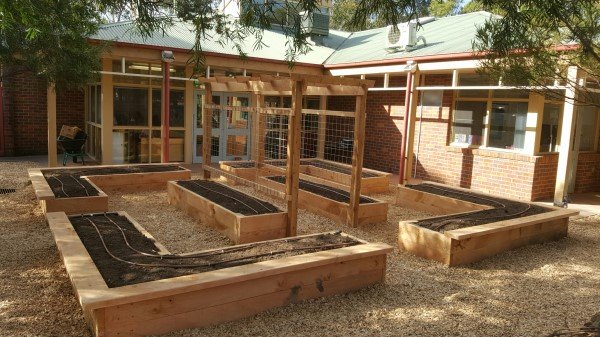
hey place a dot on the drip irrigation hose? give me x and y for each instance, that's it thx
(234, 198)
(170, 256)
(80, 184)
(448, 220)
(197, 265)
(62, 186)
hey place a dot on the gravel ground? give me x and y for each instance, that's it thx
(531, 291)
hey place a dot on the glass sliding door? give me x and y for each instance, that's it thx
(231, 128)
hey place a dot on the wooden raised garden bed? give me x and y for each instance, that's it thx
(475, 226)
(372, 181)
(161, 293)
(240, 217)
(331, 202)
(77, 190)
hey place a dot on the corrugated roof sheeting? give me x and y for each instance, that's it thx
(446, 35)
(181, 36)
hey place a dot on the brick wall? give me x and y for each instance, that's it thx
(505, 174)
(25, 112)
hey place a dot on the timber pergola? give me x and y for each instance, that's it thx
(297, 85)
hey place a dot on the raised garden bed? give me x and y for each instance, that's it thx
(474, 226)
(240, 217)
(331, 202)
(77, 190)
(372, 181)
(326, 172)
(161, 292)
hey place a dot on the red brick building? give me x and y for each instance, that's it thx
(464, 130)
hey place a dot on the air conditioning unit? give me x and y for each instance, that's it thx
(315, 23)
(401, 36)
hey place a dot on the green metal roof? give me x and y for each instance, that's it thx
(181, 36)
(448, 35)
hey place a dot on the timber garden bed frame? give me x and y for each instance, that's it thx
(297, 85)
(237, 227)
(475, 243)
(213, 297)
(376, 182)
(142, 181)
(368, 213)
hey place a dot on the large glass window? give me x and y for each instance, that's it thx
(130, 107)
(508, 121)
(588, 138)
(468, 123)
(550, 127)
(474, 80)
(176, 111)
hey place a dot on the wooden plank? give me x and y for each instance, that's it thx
(423, 242)
(412, 117)
(433, 203)
(237, 227)
(357, 159)
(567, 133)
(189, 106)
(478, 248)
(51, 107)
(144, 181)
(293, 158)
(324, 112)
(106, 141)
(207, 130)
(322, 128)
(469, 232)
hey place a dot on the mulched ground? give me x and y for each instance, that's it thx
(233, 200)
(123, 262)
(69, 184)
(324, 190)
(503, 209)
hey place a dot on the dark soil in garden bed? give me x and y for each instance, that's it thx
(233, 200)
(68, 183)
(504, 209)
(324, 190)
(123, 262)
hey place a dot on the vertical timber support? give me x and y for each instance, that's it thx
(322, 129)
(293, 158)
(566, 138)
(107, 113)
(207, 130)
(257, 133)
(360, 118)
(51, 106)
(412, 122)
(189, 117)
(166, 107)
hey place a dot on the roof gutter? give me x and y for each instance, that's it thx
(445, 57)
(183, 50)
(442, 57)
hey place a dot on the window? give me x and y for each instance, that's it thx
(468, 122)
(432, 98)
(550, 127)
(508, 121)
(588, 137)
(474, 80)
(130, 107)
(176, 110)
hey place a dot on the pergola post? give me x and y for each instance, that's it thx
(565, 154)
(322, 129)
(107, 113)
(166, 107)
(189, 117)
(360, 118)
(412, 122)
(207, 130)
(292, 173)
(51, 106)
